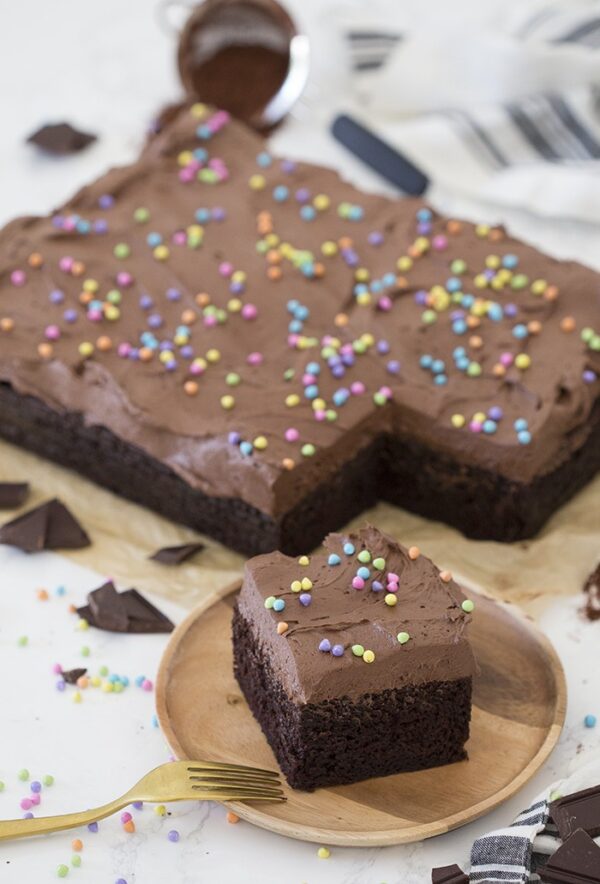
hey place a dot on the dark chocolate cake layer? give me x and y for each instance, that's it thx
(362, 645)
(256, 326)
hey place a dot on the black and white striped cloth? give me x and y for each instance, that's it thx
(515, 855)
(508, 113)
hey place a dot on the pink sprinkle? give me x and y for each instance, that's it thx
(320, 415)
(69, 224)
(179, 238)
(147, 685)
(18, 277)
(94, 315)
(52, 332)
(392, 587)
(196, 368)
(308, 379)
(507, 359)
(357, 388)
(210, 321)
(291, 435)
(254, 358)
(293, 340)
(35, 798)
(392, 578)
(124, 279)
(66, 263)
(346, 349)
(439, 243)
(124, 349)
(385, 303)
(186, 175)
(57, 669)
(249, 311)
(26, 804)
(358, 583)
(126, 817)
(225, 269)
(475, 427)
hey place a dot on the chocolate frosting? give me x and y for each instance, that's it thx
(428, 609)
(351, 301)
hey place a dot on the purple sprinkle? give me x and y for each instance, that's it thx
(70, 315)
(376, 586)
(106, 201)
(510, 310)
(56, 296)
(325, 645)
(145, 302)
(383, 347)
(495, 413)
(337, 650)
(120, 881)
(187, 351)
(234, 438)
(171, 365)
(288, 166)
(138, 805)
(338, 371)
(28, 815)
(457, 314)
(173, 835)
(421, 297)
(589, 376)
(375, 238)
(305, 599)
(348, 359)
(60, 685)
(393, 366)
(35, 786)
(92, 827)
(134, 353)
(155, 320)
(236, 287)
(58, 221)
(100, 226)
(302, 194)
(218, 213)
(489, 273)
(173, 294)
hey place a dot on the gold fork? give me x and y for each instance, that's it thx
(175, 781)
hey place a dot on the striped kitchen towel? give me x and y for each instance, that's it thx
(515, 854)
(504, 109)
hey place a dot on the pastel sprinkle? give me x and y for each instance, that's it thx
(333, 559)
(403, 637)
(358, 650)
(323, 853)
(390, 599)
(368, 656)
(468, 606)
(590, 721)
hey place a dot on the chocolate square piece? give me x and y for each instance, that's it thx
(61, 138)
(592, 591)
(49, 526)
(175, 555)
(449, 875)
(577, 861)
(126, 611)
(581, 810)
(13, 494)
(71, 676)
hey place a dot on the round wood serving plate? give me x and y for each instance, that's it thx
(518, 714)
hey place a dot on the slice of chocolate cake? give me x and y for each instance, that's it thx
(355, 661)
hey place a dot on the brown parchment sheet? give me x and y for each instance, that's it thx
(530, 573)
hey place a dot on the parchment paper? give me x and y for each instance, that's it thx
(530, 573)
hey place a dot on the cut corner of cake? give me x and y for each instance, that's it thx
(355, 661)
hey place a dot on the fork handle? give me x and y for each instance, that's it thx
(24, 828)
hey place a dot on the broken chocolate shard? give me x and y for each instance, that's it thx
(60, 139)
(449, 875)
(580, 810)
(126, 611)
(48, 526)
(13, 494)
(577, 861)
(592, 592)
(72, 676)
(175, 555)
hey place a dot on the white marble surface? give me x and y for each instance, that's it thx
(108, 66)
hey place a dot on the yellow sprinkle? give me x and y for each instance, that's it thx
(522, 361)
(257, 182)
(329, 249)
(198, 110)
(307, 583)
(160, 810)
(82, 624)
(234, 305)
(296, 586)
(161, 253)
(227, 402)
(321, 202)
(260, 442)
(213, 355)
(458, 420)
(323, 853)
(391, 599)
(107, 686)
(292, 400)
(368, 656)
(362, 274)
(112, 313)
(86, 348)
(404, 263)
(482, 230)
(90, 285)
(364, 299)
(319, 404)
(303, 560)
(77, 697)
(185, 157)
(479, 417)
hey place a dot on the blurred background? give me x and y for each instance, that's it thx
(496, 101)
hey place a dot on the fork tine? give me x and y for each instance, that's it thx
(226, 793)
(231, 776)
(223, 766)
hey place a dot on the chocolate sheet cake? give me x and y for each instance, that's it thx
(255, 348)
(356, 661)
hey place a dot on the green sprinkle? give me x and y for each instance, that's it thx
(587, 334)
(428, 317)
(121, 250)
(594, 343)
(403, 637)
(103, 670)
(62, 871)
(308, 450)
(458, 266)
(85, 651)
(141, 215)
(358, 650)
(76, 860)
(519, 281)
(114, 296)
(1, 786)
(22, 641)
(379, 398)
(48, 780)
(23, 774)
(270, 601)
(468, 606)
(118, 687)
(288, 374)
(232, 379)
(379, 563)
(474, 370)
(364, 556)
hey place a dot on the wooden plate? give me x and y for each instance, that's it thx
(518, 714)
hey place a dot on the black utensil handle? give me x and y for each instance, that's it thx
(381, 157)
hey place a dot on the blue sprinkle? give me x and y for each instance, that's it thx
(202, 215)
(281, 193)
(364, 573)
(440, 380)
(333, 559)
(459, 352)
(425, 361)
(520, 331)
(424, 215)
(311, 391)
(459, 327)
(438, 366)
(308, 213)
(524, 437)
(489, 426)
(521, 424)
(590, 721)
(246, 448)
(278, 605)
(349, 549)
(264, 159)
(510, 261)
(313, 368)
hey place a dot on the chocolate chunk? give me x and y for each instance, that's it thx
(71, 676)
(175, 555)
(13, 494)
(126, 611)
(49, 526)
(61, 139)
(592, 591)
(581, 810)
(577, 861)
(449, 875)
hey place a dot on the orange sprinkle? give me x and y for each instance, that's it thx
(476, 342)
(454, 227)
(498, 370)
(274, 273)
(319, 270)
(189, 317)
(7, 324)
(473, 321)
(78, 268)
(104, 343)
(446, 576)
(345, 242)
(567, 324)
(534, 327)
(496, 234)
(77, 845)
(341, 320)
(83, 682)
(232, 817)
(414, 552)
(45, 350)
(146, 354)
(72, 609)
(35, 260)
(273, 256)
(202, 299)
(191, 388)
(282, 627)
(287, 463)
(85, 297)
(129, 826)
(402, 282)
(42, 595)
(551, 293)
